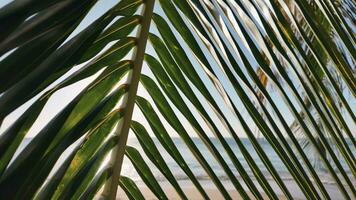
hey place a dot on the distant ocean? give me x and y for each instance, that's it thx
(199, 172)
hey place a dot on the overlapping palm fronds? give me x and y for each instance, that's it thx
(201, 63)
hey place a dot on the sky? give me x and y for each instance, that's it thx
(64, 96)
(61, 98)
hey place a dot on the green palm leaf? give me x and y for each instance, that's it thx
(215, 69)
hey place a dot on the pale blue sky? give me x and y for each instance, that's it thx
(62, 97)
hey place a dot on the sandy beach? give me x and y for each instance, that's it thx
(211, 190)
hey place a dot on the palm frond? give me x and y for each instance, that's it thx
(192, 68)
